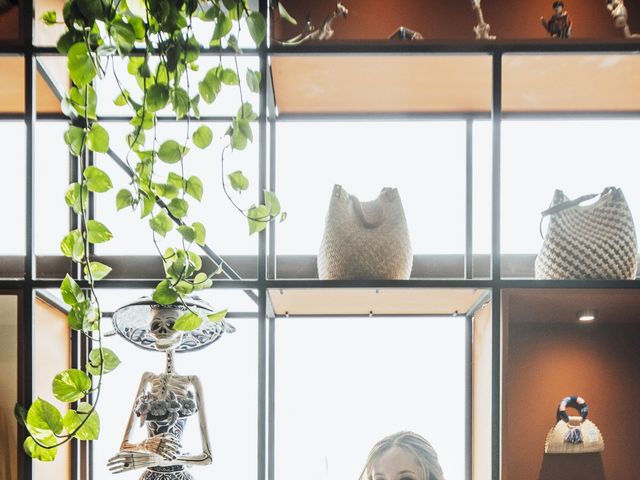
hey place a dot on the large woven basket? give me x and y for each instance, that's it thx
(590, 241)
(365, 240)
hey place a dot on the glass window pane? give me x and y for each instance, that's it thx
(9, 384)
(575, 156)
(424, 160)
(12, 80)
(382, 375)
(228, 371)
(13, 138)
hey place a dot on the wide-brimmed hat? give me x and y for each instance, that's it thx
(133, 320)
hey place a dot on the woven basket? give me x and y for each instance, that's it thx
(365, 240)
(592, 438)
(591, 241)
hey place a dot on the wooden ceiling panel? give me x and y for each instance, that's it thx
(382, 301)
(563, 305)
(382, 84)
(571, 83)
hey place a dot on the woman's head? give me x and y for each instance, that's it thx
(402, 456)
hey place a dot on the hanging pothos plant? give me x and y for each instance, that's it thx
(156, 40)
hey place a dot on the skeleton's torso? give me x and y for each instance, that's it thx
(166, 403)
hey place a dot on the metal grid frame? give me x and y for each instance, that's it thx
(26, 288)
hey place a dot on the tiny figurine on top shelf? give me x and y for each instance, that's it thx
(621, 17)
(325, 32)
(404, 33)
(482, 29)
(560, 24)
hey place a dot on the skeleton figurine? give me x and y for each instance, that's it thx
(482, 29)
(621, 17)
(325, 32)
(164, 402)
(560, 24)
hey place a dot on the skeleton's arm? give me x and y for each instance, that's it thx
(144, 381)
(203, 458)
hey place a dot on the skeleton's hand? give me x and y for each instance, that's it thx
(131, 460)
(165, 445)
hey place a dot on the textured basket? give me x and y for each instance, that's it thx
(365, 240)
(592, 438)
(591, 241)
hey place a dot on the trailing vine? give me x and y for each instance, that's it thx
(156, 40)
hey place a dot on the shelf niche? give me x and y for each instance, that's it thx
(548, 355)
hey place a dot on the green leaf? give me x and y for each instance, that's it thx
(218, 316)
(71, 385)
(72, 245)
(98, 139)
(71, 292)
(178, 207)
(90, 430)
(74, 137)
(229, 77)
(187, 322)
(258, 218)
(202, 137)
(74, 320)
(134, 65)
(253, 80)
(210, 86)
(285, 15)
(84, 316)
(97, 180)
(180, 102)
(283, 217)
(137, 7)
(194, 187)
(157, 97)
(272, 203)
(257, 27)
(164, 293)
(238, 181)
(202, 281)
(72, 197)
(187, 232)
(97, 232)
(98, 271)
(50, 18)
(91, 9)
(171, 151)
(166, 190)
(245, 112)
(222, 28)
(81, 96)
(37, 452)
(43, 418)
(80, 65)
(238, 138)
(138, 27)
(201, 232)
(161, 223)
(232, 42)
(124, 199)
(110, 361)
(176, 180)
(123, 35)
(148, 202)
(121, 100)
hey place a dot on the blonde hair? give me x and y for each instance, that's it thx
(412, 443)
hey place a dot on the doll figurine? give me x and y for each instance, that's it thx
(482, 29)
(560, 24)
(621, 17)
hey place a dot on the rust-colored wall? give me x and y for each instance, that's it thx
(454, 19)
(10, 26)
(547, 362)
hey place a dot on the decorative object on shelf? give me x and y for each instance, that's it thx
(621, 17)
(325, 32)
(7, 5)
(573, 434)
(365, 240)
(164, 402)
(404, 33)
(590, 241)
(560, 24)
(482, 29)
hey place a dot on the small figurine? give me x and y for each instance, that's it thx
(560, 24)
(404, 33)
(325, 32)
(621, 17)
(482, 28)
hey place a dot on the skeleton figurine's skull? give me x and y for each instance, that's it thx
(161, 327)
